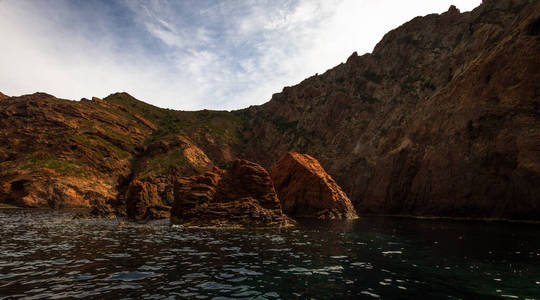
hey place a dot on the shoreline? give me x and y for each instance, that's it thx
(9, 206)
(360, 215)
(446, 218)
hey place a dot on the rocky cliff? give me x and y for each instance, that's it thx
(62, 153)
(442, 118)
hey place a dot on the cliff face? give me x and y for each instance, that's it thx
(62, 153)
(443, 118)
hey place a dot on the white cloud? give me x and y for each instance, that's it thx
(225, 56)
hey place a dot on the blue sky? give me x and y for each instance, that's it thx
(189, 54)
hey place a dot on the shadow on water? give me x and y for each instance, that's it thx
(45, 254)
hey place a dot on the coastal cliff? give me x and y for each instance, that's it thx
(441, 119)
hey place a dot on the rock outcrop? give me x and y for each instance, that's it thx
(241, 196)
(143, 202)
(306, 190)
(2, 96)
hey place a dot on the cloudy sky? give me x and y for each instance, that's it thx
(188, 54)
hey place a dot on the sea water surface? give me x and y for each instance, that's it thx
(46, 255)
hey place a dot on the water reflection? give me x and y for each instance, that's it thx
(45, 254)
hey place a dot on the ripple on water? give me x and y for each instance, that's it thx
(99, 258)
(195, 275)
(149, 268)
(212, 285)
(240, 254)
(118, 255)
(320, 271)
(244, 271)
(370, 294)
(363, 265)
(132, 276)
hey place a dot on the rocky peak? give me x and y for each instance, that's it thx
(453, 10)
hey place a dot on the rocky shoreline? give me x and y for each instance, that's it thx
(242, 196)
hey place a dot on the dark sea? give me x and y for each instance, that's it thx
(46, 255)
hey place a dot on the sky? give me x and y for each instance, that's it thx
(189, 55)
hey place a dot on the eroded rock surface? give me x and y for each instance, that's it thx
(306, 190)
(241, 196)
(143, 202)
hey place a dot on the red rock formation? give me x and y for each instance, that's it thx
(241, 196)
(143, 202)
(2, 96)
(62, 153)
(306, 190)
(176, 154)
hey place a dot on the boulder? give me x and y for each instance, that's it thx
(143, 202)
(306, 190)
(242, 196)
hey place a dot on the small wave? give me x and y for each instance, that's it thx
(370, 294)
(244, 271)
(132, 276)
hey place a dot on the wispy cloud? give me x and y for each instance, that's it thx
(188, 54)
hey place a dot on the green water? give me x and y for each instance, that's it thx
(46, 255)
